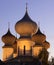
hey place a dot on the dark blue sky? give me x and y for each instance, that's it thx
(39, 10)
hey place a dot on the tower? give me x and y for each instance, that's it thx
(8, 39)
(26, 27)
(38, 38)
(41, 46)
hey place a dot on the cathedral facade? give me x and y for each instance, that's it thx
(31, 43)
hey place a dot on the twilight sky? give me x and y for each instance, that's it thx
(39, 10)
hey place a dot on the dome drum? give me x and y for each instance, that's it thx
(25, 42)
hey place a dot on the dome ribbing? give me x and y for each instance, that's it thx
(8, 38)
(39, 37)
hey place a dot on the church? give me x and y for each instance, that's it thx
(31, 44)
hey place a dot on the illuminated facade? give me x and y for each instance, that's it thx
(32, 42)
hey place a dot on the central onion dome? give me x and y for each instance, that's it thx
(46, 45)
(26, 26)
(8, 38)
(39, 37)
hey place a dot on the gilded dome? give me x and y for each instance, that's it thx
(8, 38)
(26, 26)
(39, 37)
(46, 44)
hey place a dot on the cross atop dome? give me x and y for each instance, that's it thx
(8, 26)
(38, 24)
(26, 7)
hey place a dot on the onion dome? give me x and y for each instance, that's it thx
(8, 38)
(46, 44)
(39, 37)
(26, 26)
